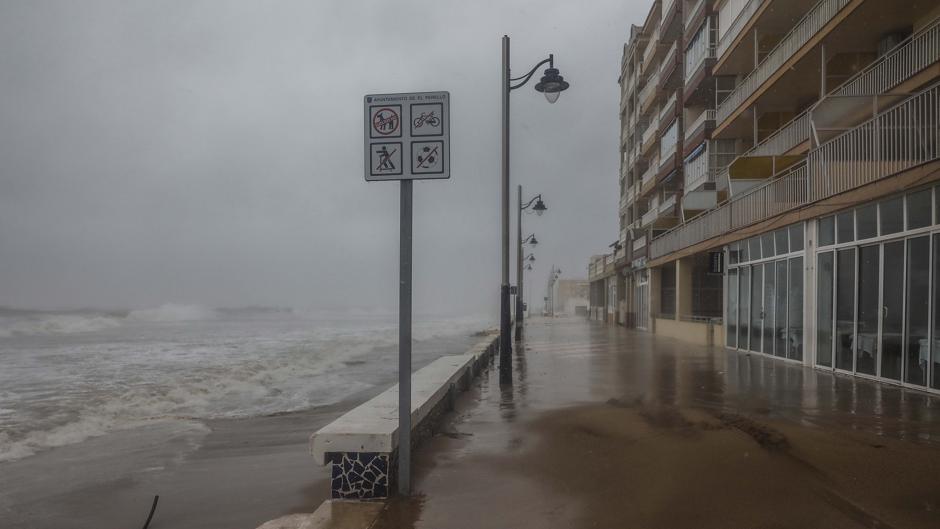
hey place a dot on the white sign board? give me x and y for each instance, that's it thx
(407, 136)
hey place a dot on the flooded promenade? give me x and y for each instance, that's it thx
(607, 427)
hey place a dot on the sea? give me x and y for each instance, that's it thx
(70, 376)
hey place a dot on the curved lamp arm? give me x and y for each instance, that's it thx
(525, 78)
(529, 203)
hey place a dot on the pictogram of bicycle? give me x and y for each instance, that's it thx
(427, 117)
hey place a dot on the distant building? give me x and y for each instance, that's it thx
(779, 163)
(572, 297)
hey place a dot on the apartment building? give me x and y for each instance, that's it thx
(779, 160)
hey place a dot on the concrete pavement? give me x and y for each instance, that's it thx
(607, 427)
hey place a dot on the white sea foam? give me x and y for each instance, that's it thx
(172, 312)
(189, 363)
(57, 324)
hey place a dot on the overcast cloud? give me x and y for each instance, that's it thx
(211, 152)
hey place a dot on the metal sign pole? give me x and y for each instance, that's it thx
(404, 344)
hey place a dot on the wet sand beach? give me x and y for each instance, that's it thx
(606, 427)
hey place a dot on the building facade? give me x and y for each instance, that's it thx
(778, 169)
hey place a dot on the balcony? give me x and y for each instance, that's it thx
(894, 141)
(698, 171)
(648, 139)
(650, 52)
(692, 14)
(668, 109)
(649, 175)
(670, 61)
(701, 48)
(704, 121)
(668, 206)
(900, 64)
(734, 29)
(808, 27)
(647, 95)
(667, 145)
(639, 244)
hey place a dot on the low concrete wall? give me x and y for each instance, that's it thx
(361, 446)
(699, 333)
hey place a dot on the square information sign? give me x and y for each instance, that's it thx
(407, 136)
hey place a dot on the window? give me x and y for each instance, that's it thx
(845, 226)
(918, 284)
(867, 218)
(919, 209)
(780, 236)
(796, 237)
(732, 337)
(795, 289)
(827, 230)
(892, 215)
(824, 284)
(845, 308)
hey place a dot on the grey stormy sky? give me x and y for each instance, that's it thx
(210, 152)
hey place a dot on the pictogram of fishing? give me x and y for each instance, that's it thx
(429, 159)
(427, 117)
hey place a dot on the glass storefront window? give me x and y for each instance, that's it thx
(768, 313)
(780, 237)
(795, 320)
(845, 308)
(918, 296)
(824, 284)
(867, 219)
(757, 280)
(780, 310)
(845, 226)
(732, 333)
(919, 209)
(935, 362)
(892, 215)
(744, 314)
(767, 242)
(866, 350)
(827, 231)
(796, 237)
(892, 309)
(754, 243)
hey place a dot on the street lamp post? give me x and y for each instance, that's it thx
(538, 207)
(551, 84)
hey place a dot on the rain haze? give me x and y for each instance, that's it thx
(211, 152)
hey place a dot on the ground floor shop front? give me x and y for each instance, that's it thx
(854, 292)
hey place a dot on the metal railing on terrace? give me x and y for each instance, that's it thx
(785, 138)
(906, 59)
(663, 115)
(898, 139)
(802, 32)
(734, 29)
(650, 172)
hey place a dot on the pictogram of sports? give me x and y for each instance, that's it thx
(386, 121)
(426, 160)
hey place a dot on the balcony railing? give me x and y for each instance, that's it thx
(639, 244)
(804, 30)
(898, 139)
(667, 5)
(651, 171)
(667, 205)
(667, 145)
(734, 29)
(690, 14)
(669, 59)
(785, 138)
(906, 59)
(668, 105)
(702, 47)
(650, 48)
(649, 89)
(651, 131)
(699, 122)
(698, 171)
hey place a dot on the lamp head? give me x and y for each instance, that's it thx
(539, 207)
(552, 84)
(534, 242)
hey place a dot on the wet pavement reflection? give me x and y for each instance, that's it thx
(607, 427)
